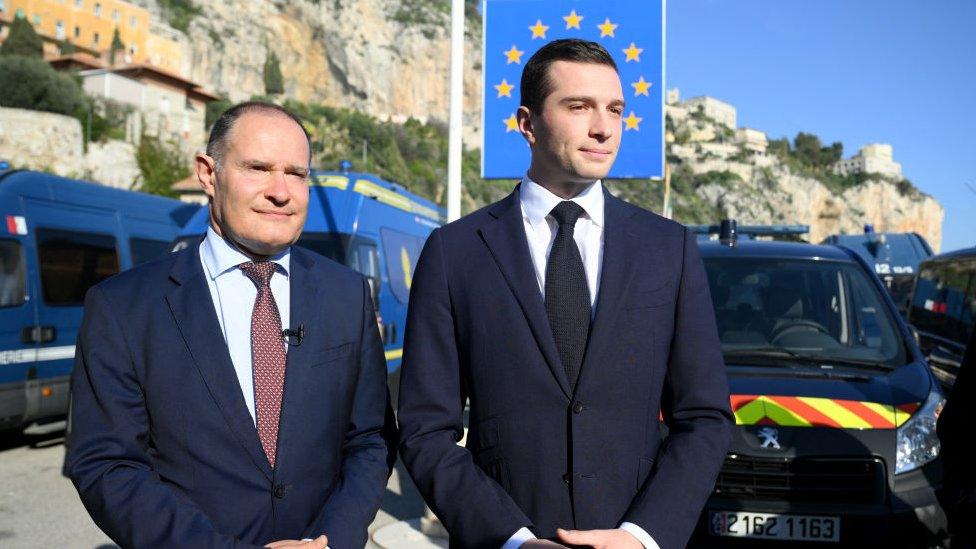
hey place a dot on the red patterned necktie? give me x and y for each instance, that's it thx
(267, 356)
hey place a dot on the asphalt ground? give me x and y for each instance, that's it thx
(40, 508)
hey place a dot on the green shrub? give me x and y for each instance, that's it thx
(179, 13)
(162, 164)
(274, 83)
(30, 83)
(22, 40)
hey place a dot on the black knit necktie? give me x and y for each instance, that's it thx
(567, 294)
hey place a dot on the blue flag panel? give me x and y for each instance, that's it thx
(631, 30)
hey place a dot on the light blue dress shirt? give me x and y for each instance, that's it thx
(233, 295)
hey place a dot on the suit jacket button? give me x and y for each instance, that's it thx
(279, 491)
(578, 408)
(567, 479)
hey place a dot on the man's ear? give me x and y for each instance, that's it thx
(523, 117)
(206, 170)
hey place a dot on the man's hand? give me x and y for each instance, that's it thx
(540, 544)
(320, 542)
(600, 539)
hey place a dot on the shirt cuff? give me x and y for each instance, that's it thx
(518, 538)
(642, 536)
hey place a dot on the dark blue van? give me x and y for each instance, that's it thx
(59, 237)
(834, 404)
(373, 226)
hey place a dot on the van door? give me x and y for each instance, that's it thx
(76, 248)
(17, 317)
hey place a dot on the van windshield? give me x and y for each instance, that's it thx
(802, 310)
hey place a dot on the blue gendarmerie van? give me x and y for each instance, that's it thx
(59, 237)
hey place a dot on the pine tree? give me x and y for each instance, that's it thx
(22, 40)
(117, 46)
(273, 81)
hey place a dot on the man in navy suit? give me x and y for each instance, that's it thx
(571, 321)
(234, 394)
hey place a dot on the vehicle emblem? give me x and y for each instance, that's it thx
(769, 438)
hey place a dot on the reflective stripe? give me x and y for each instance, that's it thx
(791, 411)
(21, 356)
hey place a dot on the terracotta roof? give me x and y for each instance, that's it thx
(76, 59)
(189, 184)
(137, 70)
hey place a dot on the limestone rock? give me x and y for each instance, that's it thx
(41, 141)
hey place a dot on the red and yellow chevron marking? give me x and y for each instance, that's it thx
(790, 411)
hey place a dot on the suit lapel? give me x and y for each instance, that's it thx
(617, 271)
(305, 299)
(505, 238)
(191, 304)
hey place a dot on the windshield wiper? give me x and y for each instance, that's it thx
(780, 352)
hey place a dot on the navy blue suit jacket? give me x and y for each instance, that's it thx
(163, 450)
(539, 455)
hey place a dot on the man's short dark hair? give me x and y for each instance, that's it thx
(536, 82)
(217, 144)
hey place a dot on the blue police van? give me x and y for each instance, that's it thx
(895, 258)
(59, 237)
(370, 225)
(835, 406)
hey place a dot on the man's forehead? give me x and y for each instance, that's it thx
(570, 75)
(254, 131)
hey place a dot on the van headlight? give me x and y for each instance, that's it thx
(918, 443)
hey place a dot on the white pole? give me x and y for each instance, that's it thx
(457, 96)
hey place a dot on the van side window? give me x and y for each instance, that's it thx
(13, 277)
(945, 301)
(365, 259)
(402, 251)
(71, 262)
(146, 249)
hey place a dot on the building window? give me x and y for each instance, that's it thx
(133, 21)
(132, 49)
(37, 19)
(3, 6)
(98, 9)
(77, 32)
(115, 15)
(59, 30)
(95, 38)
(78, 4)
(20, 13)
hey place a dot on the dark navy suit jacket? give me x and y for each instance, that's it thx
(163, 450)
(539, 455)
(956, 428)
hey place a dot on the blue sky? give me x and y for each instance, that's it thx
(896, 71)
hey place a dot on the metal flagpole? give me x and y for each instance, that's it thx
(454, 136)
(666, 206)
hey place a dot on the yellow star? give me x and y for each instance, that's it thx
(514, 55)
(640, 87)
(505, 89)
(607, 28)
(631, 122)
(633, 53)
(538, 30)
(511, 124)
(573, 20)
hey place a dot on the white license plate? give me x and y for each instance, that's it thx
(774, 526)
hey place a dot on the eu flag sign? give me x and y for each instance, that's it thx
(631, 30)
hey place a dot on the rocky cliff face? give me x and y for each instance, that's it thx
(389, 58)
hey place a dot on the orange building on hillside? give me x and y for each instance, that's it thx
(89, 26)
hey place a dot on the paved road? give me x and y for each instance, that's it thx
(40, 508)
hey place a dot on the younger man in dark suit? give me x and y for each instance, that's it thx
(571, 320)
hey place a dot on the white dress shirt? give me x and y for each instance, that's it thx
(233, 295)
(540, 231)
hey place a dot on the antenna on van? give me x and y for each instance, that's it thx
(727, 233)
(345, 166)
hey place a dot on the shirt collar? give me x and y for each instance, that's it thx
(537, 201)
(220, 256)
